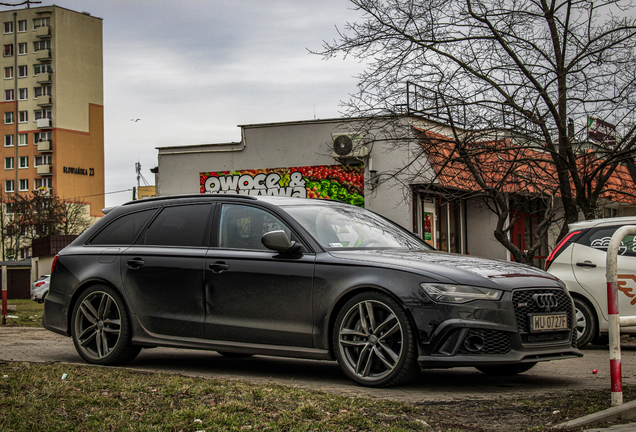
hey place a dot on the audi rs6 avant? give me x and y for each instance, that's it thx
(246, 275)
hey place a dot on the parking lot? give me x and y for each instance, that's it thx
(39, 345)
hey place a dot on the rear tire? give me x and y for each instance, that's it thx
(506, 370)
(586, 323)
(101, 327)
(374, 341)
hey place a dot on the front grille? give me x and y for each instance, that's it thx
(495, 342)
(525, 305)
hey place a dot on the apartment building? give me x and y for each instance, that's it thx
(51, 104)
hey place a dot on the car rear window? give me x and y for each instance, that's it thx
(599, 238)
(123, 230)
(179, 226)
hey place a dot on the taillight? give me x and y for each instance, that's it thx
(39, 284)
(54, 262)
(560, 247)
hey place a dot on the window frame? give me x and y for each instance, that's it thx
(8, 50)
(7, 183)
(26, 139)
(23, 189)
(22, 51)
(10, 92)
(8, 117)
(8, 72)
(23, 71)
(8, 137)
(23, 91)
(8, 24)
(23, 26)
(22, 159)
(23, 116)
(9, 163)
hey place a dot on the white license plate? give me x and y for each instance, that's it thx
(548, 322)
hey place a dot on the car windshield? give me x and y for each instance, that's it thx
(343, 226)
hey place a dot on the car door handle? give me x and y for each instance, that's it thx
(586, 264)
(219, 267)
(135, 263)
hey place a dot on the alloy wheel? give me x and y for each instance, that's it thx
(98, 325)
(581, 323)
(370, 340)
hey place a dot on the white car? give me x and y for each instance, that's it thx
(579, 261)
(40, 288)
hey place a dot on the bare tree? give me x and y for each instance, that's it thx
(528, 73)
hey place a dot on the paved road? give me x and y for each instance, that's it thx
(39, 345)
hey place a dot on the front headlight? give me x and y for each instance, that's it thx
(459, 293)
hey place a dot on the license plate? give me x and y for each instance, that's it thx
(548, 322)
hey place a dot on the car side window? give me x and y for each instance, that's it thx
(600, 239)
(179, 226)
(123, 230)
(241, 227)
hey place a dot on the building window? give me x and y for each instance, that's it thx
(8, 186)
(22, 26)
(8, 163)
(24, 185)
(9, 95)
(8, 72)
(8, 140)
(41, 68)
(23, 139)
(23, 116)
(41, 22)
(42, 113)
(41, 136)
(8, 118)
(23, 71)
(23, 161)
(8, 50)
(23, 93)
(43, 183)
(42, 91)
(8, 27)
(41, 45)
(22, 48)
(42, 160)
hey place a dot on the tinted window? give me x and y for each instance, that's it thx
(124, 230)
(600, 239)
(243, 226)
(179, 226)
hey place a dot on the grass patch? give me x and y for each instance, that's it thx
(29, 313)
(35, 397)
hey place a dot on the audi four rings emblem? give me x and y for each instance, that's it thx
(545, 300)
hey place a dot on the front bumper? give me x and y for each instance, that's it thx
(483, 333)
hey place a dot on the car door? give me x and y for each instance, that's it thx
(253, 294)
(163, 273)
(589, 257)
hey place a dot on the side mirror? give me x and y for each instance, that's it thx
(280, 242)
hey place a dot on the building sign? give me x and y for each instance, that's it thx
(601, 131)
(337, 182)
(79, 171)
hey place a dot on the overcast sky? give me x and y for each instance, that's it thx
(194, 70)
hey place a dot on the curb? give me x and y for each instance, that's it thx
(626, 411)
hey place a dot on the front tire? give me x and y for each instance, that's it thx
(374, 341)
(586, 324)
(101, 330)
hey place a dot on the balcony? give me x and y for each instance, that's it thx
(45, 146)
(44, 191)
(46, 169)
(43, 78)
(43, 32)
(44, 55)
(44, 100)
(44, 123)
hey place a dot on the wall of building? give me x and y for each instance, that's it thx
(480, 225)
(284, 145)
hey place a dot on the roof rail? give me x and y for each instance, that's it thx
(212, 195)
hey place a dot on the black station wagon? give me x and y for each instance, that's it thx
(247, 275)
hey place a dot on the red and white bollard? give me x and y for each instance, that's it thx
(615, 321)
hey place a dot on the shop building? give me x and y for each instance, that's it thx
(51, 98)
(397, 181)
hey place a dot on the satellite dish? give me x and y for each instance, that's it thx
(342, 145)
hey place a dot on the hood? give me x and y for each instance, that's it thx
(460, 269)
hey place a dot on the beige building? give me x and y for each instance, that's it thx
(51, 98)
